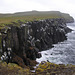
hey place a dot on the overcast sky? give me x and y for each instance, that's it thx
(11, 6)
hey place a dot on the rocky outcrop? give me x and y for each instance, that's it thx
(22, 44)
(47, 68)
(16, 48)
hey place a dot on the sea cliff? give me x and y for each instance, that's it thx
(22, 44)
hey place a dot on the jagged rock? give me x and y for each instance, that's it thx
(16, 46)
(25, 42)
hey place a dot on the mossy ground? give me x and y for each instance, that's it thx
(44, 68)
(47, 68)
(13, 69)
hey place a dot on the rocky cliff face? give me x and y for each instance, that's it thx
(22, 44)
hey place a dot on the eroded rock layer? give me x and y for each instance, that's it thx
(22, 44)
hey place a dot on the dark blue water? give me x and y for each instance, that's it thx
(63, 52)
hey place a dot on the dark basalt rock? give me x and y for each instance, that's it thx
(23, 44)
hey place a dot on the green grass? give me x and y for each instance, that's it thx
(24, 18)
(6, 19)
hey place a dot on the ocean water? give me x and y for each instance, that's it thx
(63, 52)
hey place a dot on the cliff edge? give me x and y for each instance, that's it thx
(22, 44)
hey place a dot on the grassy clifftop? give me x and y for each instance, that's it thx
(33, 15)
